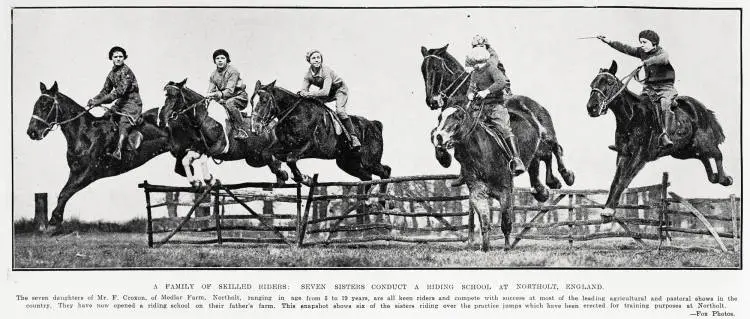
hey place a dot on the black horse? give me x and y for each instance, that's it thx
(484, 162)
(446, 79)
(194, 133)
(695, 132)
(90, 140)
(305, 129)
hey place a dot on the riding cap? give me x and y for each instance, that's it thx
(117, 49)
(478, 40)
(222, 52)
(478, 55)
(311, 52)
(649, 35)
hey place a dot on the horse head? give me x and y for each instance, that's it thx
(453, 123)
(604, 89)
(179, 100)
(440, 72)
(46, 114)
(265, 108)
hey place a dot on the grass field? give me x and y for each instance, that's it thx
(129, 250)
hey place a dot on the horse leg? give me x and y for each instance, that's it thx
(541, 193)
(296, 155)
(723, 179)
(713, 178)
(297, 175)
(478, 198)
(506, 215)
(76, 182)
(568, 176)
(187, 163)
(208, 178)
(275, 166)
(550, 178)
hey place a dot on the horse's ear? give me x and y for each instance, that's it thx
(613, 67)
(424, 51)
(42, 87)
(272, 84)
(182, 83)
(257, 85)
(443, 49)
(53, 89)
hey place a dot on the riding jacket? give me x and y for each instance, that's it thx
(122, 86)
(327, 80)
(488, 78)
(658, 68)
(226, 81)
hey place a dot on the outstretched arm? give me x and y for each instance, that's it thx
(619, 46)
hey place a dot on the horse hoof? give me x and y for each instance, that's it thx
(283, 176)
(607, 214)
(541, 194)
(714, 178)
(554, 183)
(726, 181)
(569, 177)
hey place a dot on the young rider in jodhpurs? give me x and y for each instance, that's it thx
(122, 86)
(226, 87)
(659, 83)
(487, 82)
(332, 88)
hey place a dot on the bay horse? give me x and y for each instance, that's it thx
(445, 79)
(484, 162)
(305, 129)
(89, 141)
(695, 132)
(193, 133)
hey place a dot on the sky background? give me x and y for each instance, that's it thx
(377, 52)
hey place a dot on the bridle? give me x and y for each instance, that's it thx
(606, 97)
(192, 107)
(51, 124)
(444, 65)
(274, 109)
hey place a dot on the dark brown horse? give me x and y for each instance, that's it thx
(89, 141)
(305, 129)
(445, 79)
(484, 162)
(695, 132)
(193, 133)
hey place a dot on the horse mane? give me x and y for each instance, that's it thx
(313, 101)
(448, 57)
(68, 101)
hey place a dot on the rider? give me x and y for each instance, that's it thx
(659, 83)
(226, 87)
(122, 86)
(481, 41)
(487, 82)
(331, 87)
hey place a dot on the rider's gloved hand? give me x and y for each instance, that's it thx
(603, 38)
(469, 69)
(470, 96)
(483, 93)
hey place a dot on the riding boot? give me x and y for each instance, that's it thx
(118, 151)
(516, 165)
(236, 118)
(665, 141)
(352, 134)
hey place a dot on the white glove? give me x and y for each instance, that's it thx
(470, 96)
(483, 93)
(469, 69)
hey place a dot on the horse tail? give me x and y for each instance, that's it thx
(706, 119)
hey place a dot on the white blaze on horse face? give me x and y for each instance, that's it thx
(440, 135)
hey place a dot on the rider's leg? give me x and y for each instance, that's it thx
(500, 120)
(233, 106)
(665, 93)
(130, 112)
(341, 101)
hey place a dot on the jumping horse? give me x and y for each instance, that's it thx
(695, 132)
(484, 160)
(193, 133)
(89, 141)
(445, 79)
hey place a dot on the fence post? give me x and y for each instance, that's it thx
(200, 210)
(664, 209)
(571, 202)
(267, 204)
(149, 225)
(733, 209)
(40, 211)
(217, 214)
(172, 199)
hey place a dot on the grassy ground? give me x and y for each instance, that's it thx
(129, 250)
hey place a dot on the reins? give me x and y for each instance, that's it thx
(624, 81)
(444, 64)
(56, 107)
